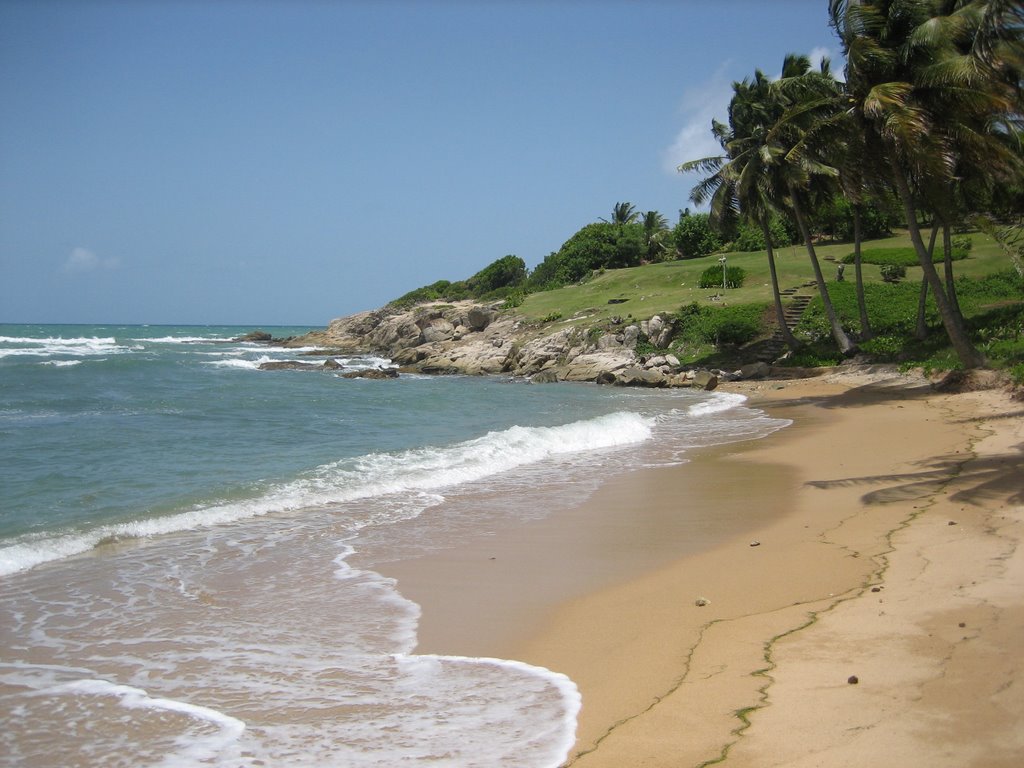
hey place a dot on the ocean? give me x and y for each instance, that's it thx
(190, 547)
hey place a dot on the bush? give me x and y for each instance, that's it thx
(515, 298)
(498, 280)
(720, 325)
(712, 277)
(962, 243)
(749, 237)
(442, 290)
(596, 246)
(507, 272)
(893, 272)
(693, 236)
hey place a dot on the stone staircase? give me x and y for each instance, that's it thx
(774, 347)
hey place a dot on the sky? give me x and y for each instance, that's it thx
(286, 162)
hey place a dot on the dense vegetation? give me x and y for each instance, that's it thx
(929, 112)
(498, 280)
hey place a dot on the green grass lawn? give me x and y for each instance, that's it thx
(641, 292)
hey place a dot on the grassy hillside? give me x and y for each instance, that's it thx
(993, 306)
(641, 292)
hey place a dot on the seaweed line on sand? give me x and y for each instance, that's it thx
(881, 559)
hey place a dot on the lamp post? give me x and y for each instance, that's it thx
(721, 260)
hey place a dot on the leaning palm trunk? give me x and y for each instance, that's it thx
(862, 305)
(922, 302)
(951, 321)
(947, 261)
(780, 315)
(846, 346)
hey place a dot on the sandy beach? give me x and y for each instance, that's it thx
(856, 597)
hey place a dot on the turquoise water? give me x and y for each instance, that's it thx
(148, 474)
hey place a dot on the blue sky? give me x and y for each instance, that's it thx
(265, 162)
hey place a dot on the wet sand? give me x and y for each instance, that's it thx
(875, 540)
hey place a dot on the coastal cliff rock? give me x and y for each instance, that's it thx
(472, 338)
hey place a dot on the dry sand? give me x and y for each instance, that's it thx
(876, 541)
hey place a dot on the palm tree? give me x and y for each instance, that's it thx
(914, 79)
(623, 213)
(655, 229)
(800, 143)
(736, 183)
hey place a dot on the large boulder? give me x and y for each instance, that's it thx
(589, 366)
(289, 365)
(478, 318)
(658, 331)
(757, 370)
(372, 373)
(705, 380)
(641, 377)
(547, 376)
(438, 329)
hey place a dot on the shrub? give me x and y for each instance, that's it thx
(893, 272)
(507, 272)
(515, 298)
(962, 243)
(693, 236)
(749, 237)
(712, 277)
(595, 246)
(496, 281)
(720, 325)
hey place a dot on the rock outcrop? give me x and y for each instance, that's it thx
(472, 338)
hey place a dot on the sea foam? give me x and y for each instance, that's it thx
(409, 479)
(48, 347)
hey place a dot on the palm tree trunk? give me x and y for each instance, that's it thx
(953, 323)
(947, 261)
(921, 332)
(862, 306)
(780, 315)
(921, 329)
(846, 346)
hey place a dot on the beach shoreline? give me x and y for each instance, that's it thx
(745, 647)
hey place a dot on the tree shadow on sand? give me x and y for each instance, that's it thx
(975, 480)
(978, 481)
(865, 395)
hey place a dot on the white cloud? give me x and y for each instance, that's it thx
(700, 104)
(710, 100)
(83, 260)
(819, 53)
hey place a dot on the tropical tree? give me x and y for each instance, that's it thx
(623, 213)
(694, 236)
(800, 147)
(920, 77)
(737, 183)
(655, 231)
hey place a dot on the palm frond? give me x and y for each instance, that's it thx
(704, 164)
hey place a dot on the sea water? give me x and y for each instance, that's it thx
(188, 547)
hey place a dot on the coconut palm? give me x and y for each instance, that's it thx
(655, 229)
(801, 145)
(914, 78)
(623, 213)
(736, 184)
